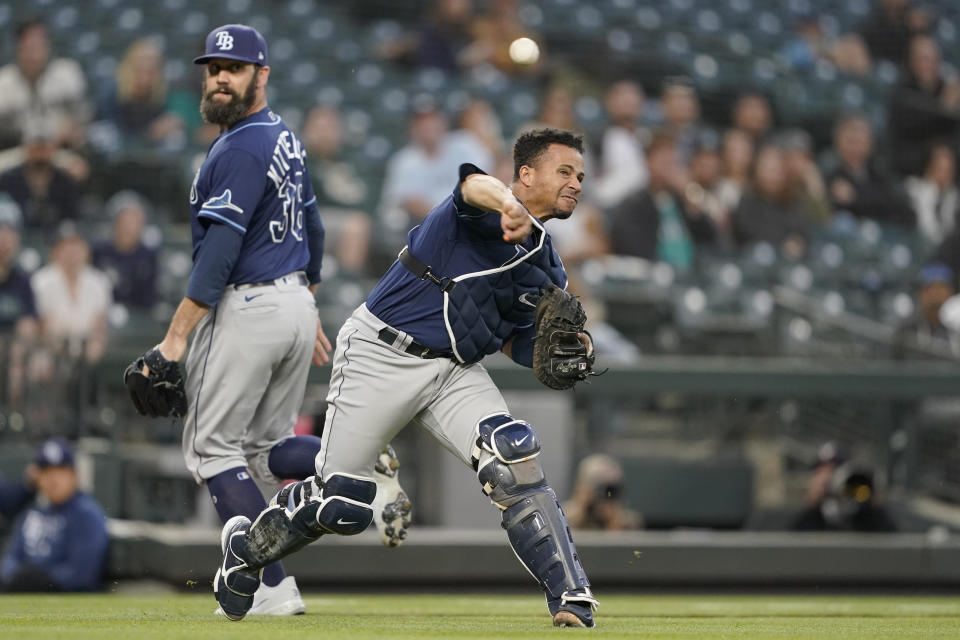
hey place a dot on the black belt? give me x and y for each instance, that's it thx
(299, 275)
(414, 348)
(423, 270)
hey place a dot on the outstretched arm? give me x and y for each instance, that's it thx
(487, 193)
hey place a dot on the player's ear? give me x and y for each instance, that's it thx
(262, 74)
(526, 175)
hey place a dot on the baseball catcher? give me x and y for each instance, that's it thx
(158, 391)
(560, 358)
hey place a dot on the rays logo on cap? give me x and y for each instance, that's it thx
(53, 453)
(224, 41)
(234, 42)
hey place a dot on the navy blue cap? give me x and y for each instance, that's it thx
(54, 453)
(936, 272)
(235, 42)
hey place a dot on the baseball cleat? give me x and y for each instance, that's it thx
(567, 619)
(576, 609)
(281, 600)
(234, 585)
(392, 508)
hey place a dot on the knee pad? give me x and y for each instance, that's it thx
(345, 507)
(504, 457)
(303, 511)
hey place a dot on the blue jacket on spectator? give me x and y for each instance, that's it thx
(67, 541)
(14, 498)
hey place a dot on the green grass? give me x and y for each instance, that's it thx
(362, 616)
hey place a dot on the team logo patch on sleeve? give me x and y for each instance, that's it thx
(222, 202)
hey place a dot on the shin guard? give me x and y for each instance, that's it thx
(541, 540)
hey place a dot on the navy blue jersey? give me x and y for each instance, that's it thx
(16, 299)
(133, 273)
(255, 181)
(496, 280)
(68, 541)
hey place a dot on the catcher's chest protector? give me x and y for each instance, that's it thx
(484, 309)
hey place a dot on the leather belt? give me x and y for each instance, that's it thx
(414, 348)
(299, 275)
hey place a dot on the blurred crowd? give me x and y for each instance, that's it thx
(674, 175)
(668, 180)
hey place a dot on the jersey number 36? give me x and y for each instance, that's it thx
(291, 197)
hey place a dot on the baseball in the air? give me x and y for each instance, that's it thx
(524, 51)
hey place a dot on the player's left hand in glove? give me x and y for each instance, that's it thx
(160, 392)
(561, 359)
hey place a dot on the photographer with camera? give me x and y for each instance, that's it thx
(841, 496)
(596, 501)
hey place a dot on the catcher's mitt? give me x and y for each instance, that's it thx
(560, 359)
(159, 394)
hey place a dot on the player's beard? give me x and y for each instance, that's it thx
(227, 114)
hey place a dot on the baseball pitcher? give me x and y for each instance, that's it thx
(249, 306)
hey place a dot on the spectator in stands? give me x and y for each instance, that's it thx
(857, 185)
(621, 165)
(804, 175)
(938, 284)
(654, 223)
(753, 114)
(138, 104)
(18, 314)
(934, 195)
(420, 174)
(60, 543)
(842, 496)
(736, 167)
(769, 211)
(336, 183)
(681, 114)
(581, 237)
(38, 86)
(492, 35)
(556, 110)
(810, 46)
(342, 194)
(703, 192)
(126, 259)
(478, 125)
(19, 326)
(924, 108)
(888, 30)
(597, 500)
(46, 194)
(440, 41)
(925, 333)
(73, 299)
(445, 36)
